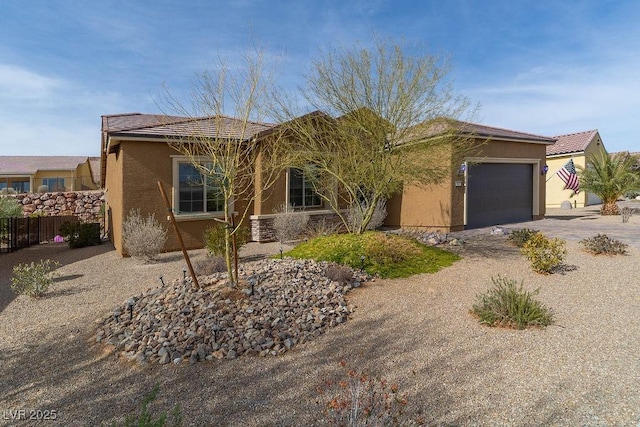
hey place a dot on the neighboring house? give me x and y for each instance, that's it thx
(577, 146)
(503, 182)
(39, 174)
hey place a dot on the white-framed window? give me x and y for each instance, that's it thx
(301, 193)
(193, 192)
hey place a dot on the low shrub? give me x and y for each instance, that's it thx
(354, 215)
(339, 273)
(385, 255)
(358, 399)
(81, 234)
(10, 207)
(143, 238)
(214, 238)
(626, 213)
(33, 279)
(508, 304)
(322, 227)
(602, 244)
(146, 419)
(210, 265)
(543, 253)
(520, 236)
(289, 224)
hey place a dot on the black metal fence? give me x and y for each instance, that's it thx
(18, 233)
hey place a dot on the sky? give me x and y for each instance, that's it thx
(544, 67)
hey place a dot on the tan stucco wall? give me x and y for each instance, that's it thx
(556, 192)
(441, 207)
(132, 183)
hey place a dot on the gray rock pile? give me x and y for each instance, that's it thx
(85, 204)
(278, 304)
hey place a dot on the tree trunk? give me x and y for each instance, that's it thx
(610, 208)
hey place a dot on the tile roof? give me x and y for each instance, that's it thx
(474, 129)
(160, 126)
(28, 165)
(572, 142)
(494, 132)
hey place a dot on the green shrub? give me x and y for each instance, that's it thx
(146, 419)
(521, 236)
(33, 279)
(214, 238)
(543, 253)
(386, 255)
(602, 244)
(358, 399)
(143, 238)
(81, 234)
(509, 305)
(10, 207)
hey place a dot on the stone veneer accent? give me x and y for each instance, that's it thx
(262, 225)
(84, 204)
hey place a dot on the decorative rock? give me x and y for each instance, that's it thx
(566, 204)
(293, 303)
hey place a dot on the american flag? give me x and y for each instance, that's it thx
(568, 174)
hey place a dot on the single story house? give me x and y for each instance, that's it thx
(577, 147)
(502, 182)
(41, 174)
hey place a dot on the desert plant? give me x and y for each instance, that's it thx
(626, 213)
(520, 236)
(356, 215)
(33, 279)
(339, 273)
(610, 177)
(146, 419)
(143, 238)
(288, 224)
(322, 227)
(214, 238)
(358, 399)
(210, 265)
(81, 234)
(543, 253)
(510, 305)
(602, 244)
(10, 207)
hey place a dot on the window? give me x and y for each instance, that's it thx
(196, 193)
(301, 192)
(54, 184)
(20, 186)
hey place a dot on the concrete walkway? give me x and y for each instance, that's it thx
(577, 224)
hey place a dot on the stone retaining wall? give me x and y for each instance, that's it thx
(84, 204)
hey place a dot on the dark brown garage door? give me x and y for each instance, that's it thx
(499, 193)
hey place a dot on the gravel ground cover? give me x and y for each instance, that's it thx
(415, 332)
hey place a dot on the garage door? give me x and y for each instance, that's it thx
(499, 193)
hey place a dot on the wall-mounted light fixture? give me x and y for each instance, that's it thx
(462, 168)
(544, 169)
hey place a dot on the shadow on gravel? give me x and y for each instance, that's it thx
(55, 252)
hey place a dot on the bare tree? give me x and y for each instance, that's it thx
(227, 150)
(384, 118)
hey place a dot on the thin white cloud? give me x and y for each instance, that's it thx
(17, 83)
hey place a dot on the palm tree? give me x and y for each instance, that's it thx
(610, 177)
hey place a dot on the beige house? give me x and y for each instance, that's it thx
(577, 147)
(501, 183)
(39, 174)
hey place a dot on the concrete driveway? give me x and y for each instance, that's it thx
(577, 224)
